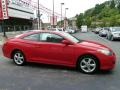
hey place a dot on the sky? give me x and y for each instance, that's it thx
(75, 6)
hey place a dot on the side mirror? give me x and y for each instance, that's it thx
(66, 42)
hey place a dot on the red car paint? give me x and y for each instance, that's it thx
(58, 53)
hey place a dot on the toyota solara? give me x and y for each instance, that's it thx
(59, 48)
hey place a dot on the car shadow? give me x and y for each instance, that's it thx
(104, 72)
(60, 68)
(48, 66)
(69, 69)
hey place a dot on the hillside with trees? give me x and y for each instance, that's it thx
(102, 15)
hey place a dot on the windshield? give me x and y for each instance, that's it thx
(71, 38)
(116, 29)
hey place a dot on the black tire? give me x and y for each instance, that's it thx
(88, 64)
(19, 58)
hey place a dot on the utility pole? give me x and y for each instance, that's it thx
(61, 14)
(53, 15)
(3, 29)
(38, 16)
(40, 22)
(65, 18)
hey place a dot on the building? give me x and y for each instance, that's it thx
(73, 22)
(21, 15)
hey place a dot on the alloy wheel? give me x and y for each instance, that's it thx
(19, 58)
(88, 64)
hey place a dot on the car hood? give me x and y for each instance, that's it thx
(92, 45)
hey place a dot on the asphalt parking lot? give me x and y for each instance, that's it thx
(44, 77)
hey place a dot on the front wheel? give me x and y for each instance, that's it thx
(19, 58)
(88, 64)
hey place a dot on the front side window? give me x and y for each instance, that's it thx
(71, 38)
(48, 37)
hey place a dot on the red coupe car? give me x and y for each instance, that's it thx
(59, 48)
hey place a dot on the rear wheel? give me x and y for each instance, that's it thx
(19, 58)
(88, 64)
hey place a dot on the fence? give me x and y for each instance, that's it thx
(9, 28)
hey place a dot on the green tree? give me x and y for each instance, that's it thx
(112, 4)
(113, 21)
(79, 20)
(118, 7)
(105, 14)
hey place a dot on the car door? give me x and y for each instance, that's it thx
(30, 45)
(37, 47)
(51, 50)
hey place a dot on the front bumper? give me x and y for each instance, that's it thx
(116, 38)
(107, 62)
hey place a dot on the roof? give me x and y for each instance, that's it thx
(37, 31)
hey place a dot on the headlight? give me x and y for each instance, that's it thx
(105, 51)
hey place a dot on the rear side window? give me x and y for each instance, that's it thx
(32, 37)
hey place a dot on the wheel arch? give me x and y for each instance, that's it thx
(13, 51)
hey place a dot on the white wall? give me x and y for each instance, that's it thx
(19, 14)
(18, 10)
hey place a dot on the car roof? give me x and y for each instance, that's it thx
(38, 31)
